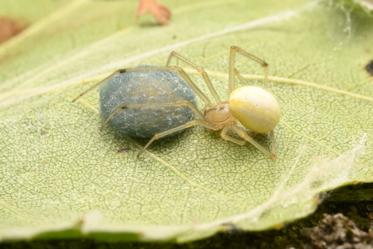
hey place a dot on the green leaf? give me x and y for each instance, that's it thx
(364, 6)
(63, 177)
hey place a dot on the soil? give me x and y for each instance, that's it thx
(369, 68)
(338, 231)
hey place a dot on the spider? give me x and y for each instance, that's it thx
(248, 109)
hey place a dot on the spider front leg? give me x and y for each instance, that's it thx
(122, 107)
(181, 103)
(232, 61)
(177, 129)
(98, 83)
(272, 138)
(224, 134)
(243, 134)
(194, 87)
(119, 71)
(199, 70)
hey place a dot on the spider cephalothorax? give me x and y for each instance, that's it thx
(219, 115)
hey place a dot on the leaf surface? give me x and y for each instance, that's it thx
(63, 177)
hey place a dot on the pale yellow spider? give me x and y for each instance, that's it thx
(253, 107)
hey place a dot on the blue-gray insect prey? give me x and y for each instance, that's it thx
(150, 86)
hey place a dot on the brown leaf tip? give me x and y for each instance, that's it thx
(160, 12)
(9, 27)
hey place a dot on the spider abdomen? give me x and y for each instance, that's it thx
(255, 108)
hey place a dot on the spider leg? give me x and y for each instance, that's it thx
(243, 134)
(177, 129)
(232, 60)
(224, 134)
(199, 70)
(149, 105)
(189, 81)
(97, 84)
(273, 146)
